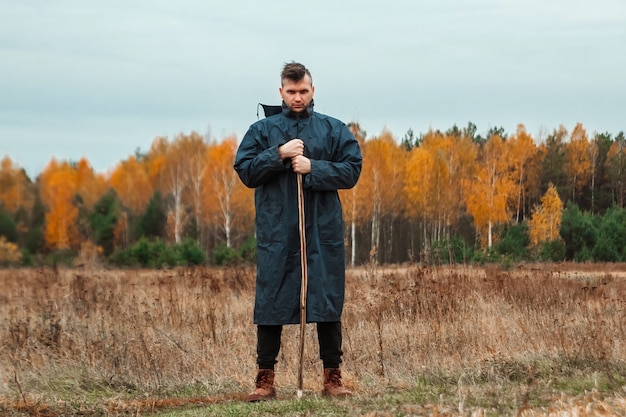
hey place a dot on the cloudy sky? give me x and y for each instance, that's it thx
(101, 79)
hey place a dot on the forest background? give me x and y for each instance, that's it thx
(449, 196)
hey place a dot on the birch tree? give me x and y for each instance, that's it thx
(229, 203)
(577, 162)
(545, 223)
(489, 190)
(58, 189)
(521, 149)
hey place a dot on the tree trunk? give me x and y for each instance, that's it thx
(353, 243)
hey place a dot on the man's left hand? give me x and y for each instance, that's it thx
(301, 164)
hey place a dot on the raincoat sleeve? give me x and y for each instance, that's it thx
(256, 161)
(342, 170)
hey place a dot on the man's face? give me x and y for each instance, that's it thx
(297, 95)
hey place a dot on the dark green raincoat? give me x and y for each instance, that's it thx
(335, 163)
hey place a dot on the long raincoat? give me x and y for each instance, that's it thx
(335, 164)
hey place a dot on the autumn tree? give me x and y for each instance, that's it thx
(196, 169)
(132, 184)
(134, 188)
(226, 199)
(394, 196)
(616, 168)
(434, 176)
(490, 189)
(17, 199)
(354, 199)
(593, 149)
(545, 223)
(521, 151)
(534, 181)
(58, 185)
(90, 186)
(422, 190)
(170, 170)
(382, 178)
(15, 190)
(577, 163)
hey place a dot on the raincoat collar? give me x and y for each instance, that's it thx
(303, 115)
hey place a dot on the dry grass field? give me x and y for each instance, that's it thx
(533, 340)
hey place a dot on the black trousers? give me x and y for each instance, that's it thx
(328, 336)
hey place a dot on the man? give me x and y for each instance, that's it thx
(275, 149)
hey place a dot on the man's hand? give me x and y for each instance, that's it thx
(301, 164)
(291, 149)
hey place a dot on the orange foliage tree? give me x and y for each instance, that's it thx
(168, 168)
(521, 151)
(90, 186)
(196, 148)
(434, 174)
(229, 203)
(382, 178)
(353, 200)
(58, 186)
(64, 189)
(577, 162)
(545, 222)
(490, 189)
(132, 184)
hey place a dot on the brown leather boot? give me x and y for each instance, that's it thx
(333, 387)
(264, 389)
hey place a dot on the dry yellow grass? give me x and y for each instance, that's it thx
(519, 339)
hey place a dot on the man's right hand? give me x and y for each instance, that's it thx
(291, 149)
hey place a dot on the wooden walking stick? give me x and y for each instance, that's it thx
(304, 285)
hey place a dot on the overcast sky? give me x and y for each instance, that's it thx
(100, 79)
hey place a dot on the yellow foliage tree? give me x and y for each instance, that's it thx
(434, 175)
(196, 148)
(9, 252)
(229, 203)
(132, 184)
(521, 151)
(545, 223)
(169, 168)
(354, 199)
(382, 178)
(490, 189)
(421, 184)
(14, 187)
(89, 185)
(58, 191)
(577, 162)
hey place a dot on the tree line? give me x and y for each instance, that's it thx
(440, 196)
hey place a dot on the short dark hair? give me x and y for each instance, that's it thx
(294, 71)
